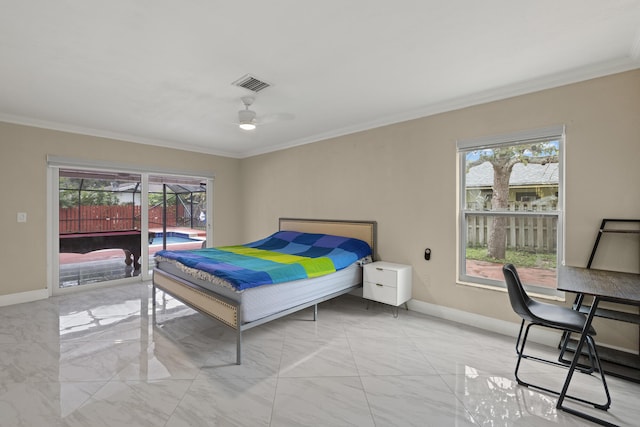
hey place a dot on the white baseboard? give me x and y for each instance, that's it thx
(540, 335)
(23, 297)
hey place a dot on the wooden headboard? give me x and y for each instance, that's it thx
(363, 230)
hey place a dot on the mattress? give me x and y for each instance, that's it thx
(263, 301)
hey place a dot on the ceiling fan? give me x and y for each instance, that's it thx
(247, 117)
(248, 120)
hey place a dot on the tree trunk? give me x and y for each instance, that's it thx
(497, 238)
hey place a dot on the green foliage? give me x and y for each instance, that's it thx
(155, 199)
(519, 258)
(90, 192)
(504, 157)
(69, 198)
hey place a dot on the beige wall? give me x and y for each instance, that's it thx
(23, 174)
(404, 177)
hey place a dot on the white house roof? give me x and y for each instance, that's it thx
(482, 175)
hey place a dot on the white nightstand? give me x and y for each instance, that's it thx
(387, 282)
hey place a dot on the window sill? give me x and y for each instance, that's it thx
(560, 298)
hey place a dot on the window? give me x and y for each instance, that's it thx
(510, 205)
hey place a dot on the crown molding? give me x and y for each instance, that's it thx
(66, 127)
(504, 92)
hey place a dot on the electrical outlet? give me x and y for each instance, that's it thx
(22, 217)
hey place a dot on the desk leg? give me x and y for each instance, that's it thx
(572, 368)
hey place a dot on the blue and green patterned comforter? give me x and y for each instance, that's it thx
(282, 257)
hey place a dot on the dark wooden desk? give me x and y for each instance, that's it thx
(622, 288)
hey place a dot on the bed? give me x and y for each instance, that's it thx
(244, 306)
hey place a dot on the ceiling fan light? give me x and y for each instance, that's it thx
(246, 119)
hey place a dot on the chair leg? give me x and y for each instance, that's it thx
(585, 369)
(593, 358)
(564, 342)
(519, 351)
(566, 335)
(522, 355)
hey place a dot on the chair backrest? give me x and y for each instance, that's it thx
(517, 295)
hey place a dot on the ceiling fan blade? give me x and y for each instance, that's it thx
(247, 119)
(274, 117)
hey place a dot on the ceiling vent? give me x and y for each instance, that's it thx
(250, 82)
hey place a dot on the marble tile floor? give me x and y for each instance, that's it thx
(97, 358)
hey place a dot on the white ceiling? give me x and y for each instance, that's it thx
(160, 71)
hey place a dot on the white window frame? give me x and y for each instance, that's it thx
(515, 138)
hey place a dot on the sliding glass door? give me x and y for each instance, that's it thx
(106, 225)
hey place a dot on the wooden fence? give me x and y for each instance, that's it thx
(81, 219)
(533, 232)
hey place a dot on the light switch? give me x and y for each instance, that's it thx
(22, 217)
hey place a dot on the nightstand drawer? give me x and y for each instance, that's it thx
(380, 293)
(387, 282)
(380, 275)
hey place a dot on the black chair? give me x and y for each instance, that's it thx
(555, 317)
